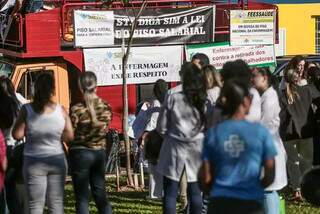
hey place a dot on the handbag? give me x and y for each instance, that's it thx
(152, 146)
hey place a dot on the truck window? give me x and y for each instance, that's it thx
(6, 69)
(26, 84)
(145, 92)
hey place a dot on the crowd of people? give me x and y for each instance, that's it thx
(221, 140)
(233, 138)
(36, 157)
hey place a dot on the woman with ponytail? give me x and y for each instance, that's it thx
(44, 124)
(90, 120)
(234, 153)
(181, 122)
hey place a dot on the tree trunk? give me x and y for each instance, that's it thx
(125, 92)
(125, 120)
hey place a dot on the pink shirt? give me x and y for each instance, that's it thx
(2, 158)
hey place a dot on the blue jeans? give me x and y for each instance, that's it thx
(44, 179)
(271, 202)
(171, 187)
(88, 168)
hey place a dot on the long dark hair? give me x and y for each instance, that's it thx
(10, 105)
(232, 96)
(160, 90)
(272, 80)
(237, 69)
(294, 62)
(44, 87)
(194, 88)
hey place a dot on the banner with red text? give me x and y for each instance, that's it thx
(220, 53)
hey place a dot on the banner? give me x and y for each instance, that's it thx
(145, 64)
(167, 25)
(220, 53)
(252, 27)
(93, 28)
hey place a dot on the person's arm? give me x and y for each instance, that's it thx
(270, 110)
(164, 117)
(107, 116)
(269, 153)
(3, 154)
(206, 172)
(206, 176)
(154, 115)
(68, 134)
(254, 114)
(269, 173)
(19, 128)
(315, 94)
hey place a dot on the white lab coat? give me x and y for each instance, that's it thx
(254, 114)
(270, 110)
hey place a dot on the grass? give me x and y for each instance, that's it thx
(130, 201)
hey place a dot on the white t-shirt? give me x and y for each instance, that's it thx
(213, 94)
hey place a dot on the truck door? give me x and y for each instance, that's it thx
(26, 75)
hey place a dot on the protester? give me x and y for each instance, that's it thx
(181, 123)
(299, 63)
(297, 126)
(15, 194)
(234, 153)
(155, 179)
(3, 167)
(44, 124)
(90, 120)
(311, 64)
(314, 76)
(213, 83)
(200, 59)
(314, 79)
(238, 70)
(270, 108)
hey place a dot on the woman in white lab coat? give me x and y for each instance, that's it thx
(270, 109)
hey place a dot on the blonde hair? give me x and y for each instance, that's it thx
(213, 77)
(88, 85)
(291, 87)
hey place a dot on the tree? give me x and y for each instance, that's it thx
(125, 58)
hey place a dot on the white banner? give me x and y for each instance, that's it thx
(220, 53)
(93, 28)
(145, 64)
(252, 27)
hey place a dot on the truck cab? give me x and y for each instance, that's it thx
(23, 74)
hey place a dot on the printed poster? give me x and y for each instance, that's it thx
(93, 28)
(220, 53)
(145, 64)
(252, 27)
